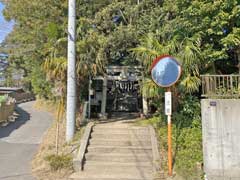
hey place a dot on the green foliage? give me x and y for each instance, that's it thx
(58, 162)
(3, 99)
(189, 110)
(38, 27)
(40, 85)
(150, 89)
(186, 136)
(187, 51)
(197, 33)
(189, 151)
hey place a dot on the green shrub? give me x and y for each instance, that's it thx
(187, 135)
(3, 99)
(188, 151)
(58, 162)
(186, 138)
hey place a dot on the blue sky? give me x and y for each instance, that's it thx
(5, 26)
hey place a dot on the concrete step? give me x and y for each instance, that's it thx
(121, 136)
(116, 178)
(109, 174)
(116, 125)
(119, 164)
(121, 131)
(121, 169)
(122, 142)
(119, 127)
(114, 157)
(114, 149)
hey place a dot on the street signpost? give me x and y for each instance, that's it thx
(168, 103)
(165, 72)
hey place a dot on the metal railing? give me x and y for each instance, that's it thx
(220, 86)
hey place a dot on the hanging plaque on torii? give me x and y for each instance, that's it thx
(165, 72)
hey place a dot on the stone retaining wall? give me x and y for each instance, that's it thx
(23, 97)
(6, 110)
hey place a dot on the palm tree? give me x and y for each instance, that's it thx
(186, 51)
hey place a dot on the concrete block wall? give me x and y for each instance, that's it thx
(221, 138)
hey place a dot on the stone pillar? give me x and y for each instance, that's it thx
(104, 98)
(144, 99)
(90, 92)
(145, 106)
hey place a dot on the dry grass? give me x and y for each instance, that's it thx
(40, 167)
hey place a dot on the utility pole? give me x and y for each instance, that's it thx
(71, 74)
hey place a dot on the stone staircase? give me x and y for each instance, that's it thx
(118, 151)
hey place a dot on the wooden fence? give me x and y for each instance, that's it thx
(222, 86)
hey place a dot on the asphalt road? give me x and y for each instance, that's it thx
(19, 142)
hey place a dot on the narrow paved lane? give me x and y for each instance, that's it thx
(19, 142)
